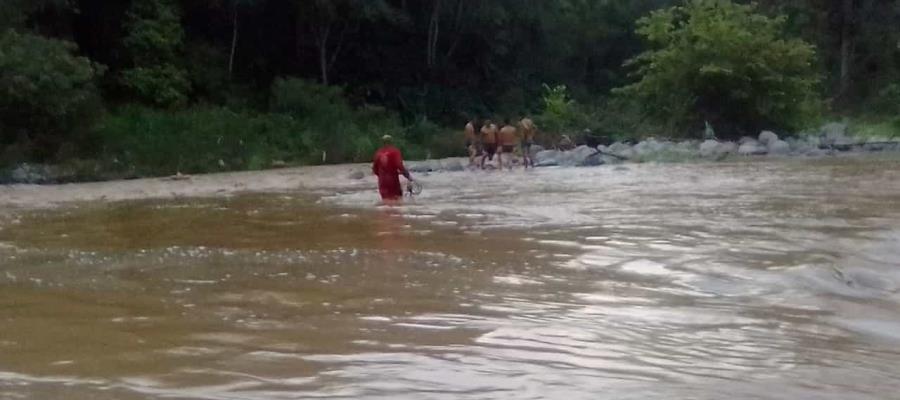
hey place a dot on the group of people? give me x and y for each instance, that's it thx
(490, 140)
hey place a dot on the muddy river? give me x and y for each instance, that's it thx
(751, 280)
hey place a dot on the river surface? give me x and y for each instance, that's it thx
(756, 280)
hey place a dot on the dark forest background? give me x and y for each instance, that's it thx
(149, 87)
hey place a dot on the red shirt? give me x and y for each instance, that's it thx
(388, 166)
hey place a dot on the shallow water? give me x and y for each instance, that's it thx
(774, 280)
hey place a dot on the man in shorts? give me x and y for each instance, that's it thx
(488, 141)
(528, 130)
(508, 141)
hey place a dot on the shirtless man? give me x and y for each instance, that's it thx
(488, 141)
(471, 142)
(508, 140)
(528, 130)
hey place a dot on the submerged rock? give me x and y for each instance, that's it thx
(357, 175)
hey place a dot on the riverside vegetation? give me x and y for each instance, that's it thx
(156, 87)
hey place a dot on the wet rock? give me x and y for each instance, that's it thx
(627, 153)
(618, 147)
(715, 149)
(709, 148)
(652, 146)
(768, 138)
(779, 147)
(578, 156)
(547, 158)
(594, 160)
(751, 147)
(357, 175)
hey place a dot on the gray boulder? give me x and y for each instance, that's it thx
(547, 158)
(767, 138)
(575, 157)
(652, 146)
(716, 149)
(627, 153)
(594, 160)
(751, 148)
(618, 147)
(779, 147)
(709, 148)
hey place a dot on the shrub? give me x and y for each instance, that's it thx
(721, 62)
(146, 142)
(49, 96)
(330, 123)
(559, 112)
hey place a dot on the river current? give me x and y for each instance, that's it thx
(748, 280)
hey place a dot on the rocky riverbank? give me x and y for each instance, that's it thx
(831, 139)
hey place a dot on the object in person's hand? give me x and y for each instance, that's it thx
(414, 188)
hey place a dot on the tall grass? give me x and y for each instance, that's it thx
(146, 142)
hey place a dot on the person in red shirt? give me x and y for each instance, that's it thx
(388, 166)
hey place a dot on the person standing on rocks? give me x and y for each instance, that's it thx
(508, 141)
(388, 166)
(528, 130)
(471, 142)
(488, 141)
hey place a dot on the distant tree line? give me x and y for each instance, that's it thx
(626, 66)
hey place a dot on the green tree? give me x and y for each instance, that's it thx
(154, 42)
(721, 62)
(48, 94)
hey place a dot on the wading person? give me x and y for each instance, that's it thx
(471, 142)
(528, 131)
(508, 140)
(488, 141)
(388, 166)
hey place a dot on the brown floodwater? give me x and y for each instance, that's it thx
(756, 280)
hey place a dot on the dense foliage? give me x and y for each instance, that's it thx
(153, 43)
(47, 95)
(721, 63)
(331, 76)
